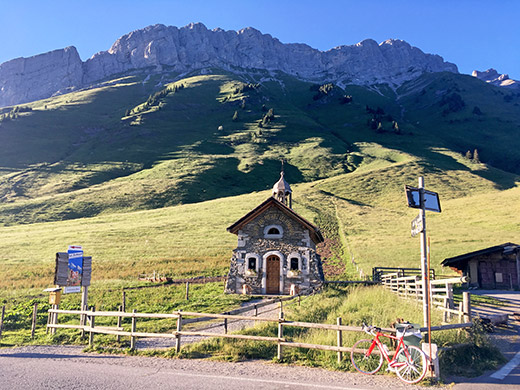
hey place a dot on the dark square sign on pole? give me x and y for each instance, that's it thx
(431, 199)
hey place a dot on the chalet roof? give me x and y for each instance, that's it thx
(460, 260)
(314, 231)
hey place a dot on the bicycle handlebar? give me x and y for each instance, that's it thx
(370, 329)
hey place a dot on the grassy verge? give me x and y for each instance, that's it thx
(355, 305)
(206, 298)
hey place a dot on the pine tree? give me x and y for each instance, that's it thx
(475, 156)
(469, 156)
(235, 116)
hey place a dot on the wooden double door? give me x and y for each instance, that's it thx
(272, 284)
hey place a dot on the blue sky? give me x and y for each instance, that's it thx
(472, 34)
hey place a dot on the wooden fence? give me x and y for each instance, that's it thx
(441, 293)
(180, 317)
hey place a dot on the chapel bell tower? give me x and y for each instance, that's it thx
(282, 191)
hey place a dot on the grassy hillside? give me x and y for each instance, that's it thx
(147, 171)
(147, 141)
(368, 208)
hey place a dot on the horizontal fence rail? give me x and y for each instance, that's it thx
(180, 317)
(441, 293)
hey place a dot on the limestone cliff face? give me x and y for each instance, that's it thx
(195, 47)
(491, 76)
(27, 79)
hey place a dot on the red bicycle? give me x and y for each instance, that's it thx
(408, 361)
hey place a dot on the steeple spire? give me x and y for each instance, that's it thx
(282, 190)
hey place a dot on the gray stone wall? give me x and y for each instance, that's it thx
(295, 242)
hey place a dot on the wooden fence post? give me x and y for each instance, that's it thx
(225, 324)
(461, 311)
(54, 318)
(134, 327)
(119, 318)
(34, 317)
(92, 324)
(256, 310)
(187, 291)
(123, 300)
(280, 333)
(178, 336)
(445, 314)
(449, 293)
(340, 341)
(2, 320)
(466, 305)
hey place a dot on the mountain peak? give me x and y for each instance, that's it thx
(195, 47)
(491, 76)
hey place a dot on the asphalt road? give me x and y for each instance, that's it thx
(65, 367)
(507, 339)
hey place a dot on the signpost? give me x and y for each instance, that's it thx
(422, 199)
(73, 271)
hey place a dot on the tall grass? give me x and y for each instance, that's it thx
(355, 305)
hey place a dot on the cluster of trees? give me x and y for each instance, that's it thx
(245, 87)
(453, 103)
(378, 117)
(13, 114)
(267, 118)
(473, 157)
(154, 99)
(321, 90)
(345, 99)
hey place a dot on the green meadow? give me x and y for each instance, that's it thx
(146, 171)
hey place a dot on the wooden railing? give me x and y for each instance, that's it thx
(441, 293)
(180, 316)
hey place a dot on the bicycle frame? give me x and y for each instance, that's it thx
(391, 362)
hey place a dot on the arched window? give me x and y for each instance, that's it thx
(273, 231)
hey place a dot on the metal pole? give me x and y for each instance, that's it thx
(424, 266)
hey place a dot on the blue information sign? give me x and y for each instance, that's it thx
(75, 253)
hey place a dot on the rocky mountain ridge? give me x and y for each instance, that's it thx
(195, 47)
(491, 76)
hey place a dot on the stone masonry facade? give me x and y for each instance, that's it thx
(290, 242)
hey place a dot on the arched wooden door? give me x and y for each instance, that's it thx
(272, 284)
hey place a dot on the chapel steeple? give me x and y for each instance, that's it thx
(282, 190)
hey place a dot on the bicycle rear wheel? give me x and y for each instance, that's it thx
(363, 362)
(415, 366)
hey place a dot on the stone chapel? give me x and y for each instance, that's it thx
(276, 250)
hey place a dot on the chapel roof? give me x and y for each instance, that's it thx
(314, 231)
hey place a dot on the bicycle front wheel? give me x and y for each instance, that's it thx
(364, 362)
(415, 365)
